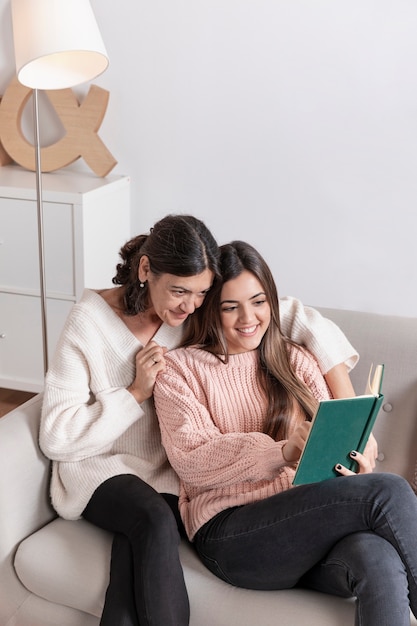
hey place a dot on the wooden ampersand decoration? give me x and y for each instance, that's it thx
(80, 121)
(4, 157)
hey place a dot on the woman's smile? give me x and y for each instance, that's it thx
(245, 313)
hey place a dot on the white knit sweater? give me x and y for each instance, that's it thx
(92, 428)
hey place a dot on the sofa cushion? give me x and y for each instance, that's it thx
(67, 563)
(216, 603)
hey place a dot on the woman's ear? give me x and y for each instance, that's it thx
(143, 269)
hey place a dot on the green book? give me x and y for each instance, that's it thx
(338, 427)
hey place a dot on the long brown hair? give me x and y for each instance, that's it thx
(281, 385)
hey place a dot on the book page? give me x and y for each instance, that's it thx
(374, 384)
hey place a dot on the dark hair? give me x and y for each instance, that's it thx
(181, 245)
(281, 385)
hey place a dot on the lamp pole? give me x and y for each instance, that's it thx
(57, 45)
(41, 238)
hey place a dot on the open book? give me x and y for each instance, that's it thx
(338, 427)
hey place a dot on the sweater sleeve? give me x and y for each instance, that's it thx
(202, 455)
(305, 366)
(86, 405)
(322, 337)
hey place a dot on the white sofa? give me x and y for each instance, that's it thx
(54, 572)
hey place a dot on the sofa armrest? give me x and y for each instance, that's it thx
(24, 494)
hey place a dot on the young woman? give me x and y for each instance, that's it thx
(99, 426)
(234, 408)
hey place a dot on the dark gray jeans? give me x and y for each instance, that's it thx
(348, 536)
(146, 585)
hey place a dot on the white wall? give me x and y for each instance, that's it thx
(289, 123)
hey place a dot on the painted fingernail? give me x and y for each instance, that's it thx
(353, 453)
(338, 467)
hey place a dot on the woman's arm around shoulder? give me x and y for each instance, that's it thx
(322, 337)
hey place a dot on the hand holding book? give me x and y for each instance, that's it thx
(338, 427)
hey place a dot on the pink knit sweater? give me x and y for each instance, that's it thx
(211, 417)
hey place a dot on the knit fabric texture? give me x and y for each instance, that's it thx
(92, 427)
(212, 418)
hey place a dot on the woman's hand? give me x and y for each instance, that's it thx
(149, 362)
(291, 450)
(364, 465)
(371, 450)
(366, 461)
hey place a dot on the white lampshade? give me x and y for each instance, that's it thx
(57, 43)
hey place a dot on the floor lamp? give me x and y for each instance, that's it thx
(57, 45)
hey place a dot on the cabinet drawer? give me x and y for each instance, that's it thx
(21, 351)
(19, 256)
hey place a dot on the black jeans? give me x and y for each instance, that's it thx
(146, 585)
(349, 536)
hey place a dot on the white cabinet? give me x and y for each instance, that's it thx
(86, 221)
